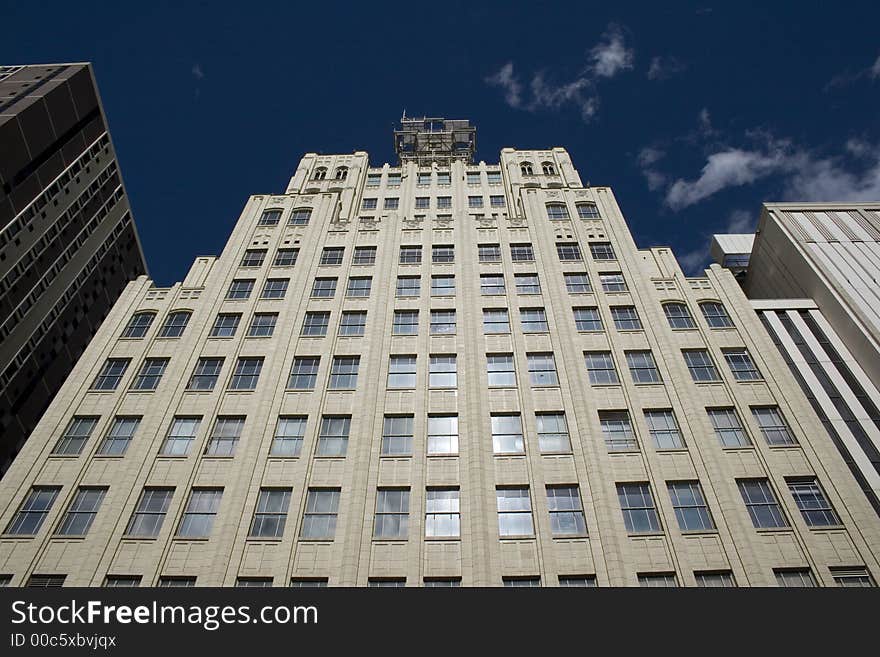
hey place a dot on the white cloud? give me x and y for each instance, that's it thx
(874, 71)
(647, 157)
(611, 56)
(506, 79)
(705, 122)
(847, 77)
(554, 97)
(197, 72)
(663, 68)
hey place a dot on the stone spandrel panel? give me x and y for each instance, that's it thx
(263, 558)
(395, 472)
(835, 548)
(442, 559)
(388, 559)
(675, 465)
(559, 469)
(442, 471)
(135, 557)
(314, 558)
(781, 548)
(628, 466)
(511, 470)
(651, 553)
(169, 472)
(328, 472)
(519, 557)
(574, 556)
(704, 552)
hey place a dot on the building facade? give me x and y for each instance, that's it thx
(439, 373)
(68, 246)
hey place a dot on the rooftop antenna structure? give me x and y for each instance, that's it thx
(425, 140)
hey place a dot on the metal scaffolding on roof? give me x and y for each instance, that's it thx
(430, 139)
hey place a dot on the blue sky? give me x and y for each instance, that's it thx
(694, 113)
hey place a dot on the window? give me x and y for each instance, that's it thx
(617, 431)
(578, 283)
(444, 202)
(201, 510)
(521, 582)
(410, 255)
(442, 371)
(642, 367)
(587, 581)
(522, 252)
(507, 435)
(111, 374)
(600, 368)
(138, 325)
(637, 504)
(602, 251)
(442, 514)
(150, 374)
(364, 255)
(475, 201)
(406, 322)
(121, 432)
(394, 179)
(626, 318)
(491, 284)
(183, 582)
(533, 320)
(300, 217)
(443, 285)
(392, 513)
(289, 432)
(180, 436)
(315, 323)
(253, 258)
(122, 581)
(690, 506)
(500, 370)
(728, 428)
(320, 173)
(304, 373)
(741, 365)
(240, 288)
(391, 203)
(657, 580)
(715, 314)
(33, 511)
(205, 374)
(386, 583)
(568, 251)
(402, 371)
(324, 288)
(587, 319)
(247, 373)
(542, 369)
(408, 286)
(333, 435)
(341, 173)
(552, 433)
(175, 324)
(253, 582)
(612, 282)
(773, 425)
(74, 438)
(262, 325)
(319, 518)
(527, 284)
(442, 582)
(225, 325)
(442, 322)
(285, 257)
(514, 511)
(269, 218)
(495, 320)
(853, 577)
(473, 177)
(494, 177)
(82, 511)
(761, 503)
(720, 579)
(332, 255)
(810, 499)
(46, 581)
(497, 201)
(397, 435)
(344, 372)
(149, 514)
(369, 204)
(525, 168)
(489, 252)
(424, 178)
(566, 511)
(359, 286)
(442, 254)
(374, 179)
(664, 429)
(700, 365)
(557, 211)
(548, 169)
(794, 577)
(225, 436)
(587, 211)
(353, 322)
(678, 316)
(442, 435)
(270, 516)
(423, 202)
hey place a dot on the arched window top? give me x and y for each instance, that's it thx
(678, 315)
(139, 324)
(341, 173)
(300, 217)
(557, 211)
(715, 314)
(548, 168)
(588, 210)
(525, 169)
(270, 217)
(320, 173)
(175, 323)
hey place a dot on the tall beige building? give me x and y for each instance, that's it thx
(436, 373)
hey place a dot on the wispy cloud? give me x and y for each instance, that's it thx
(197, 72)
(663, 68)
(738, 221)
(647, 158)
(848, 77)
(608, 58)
